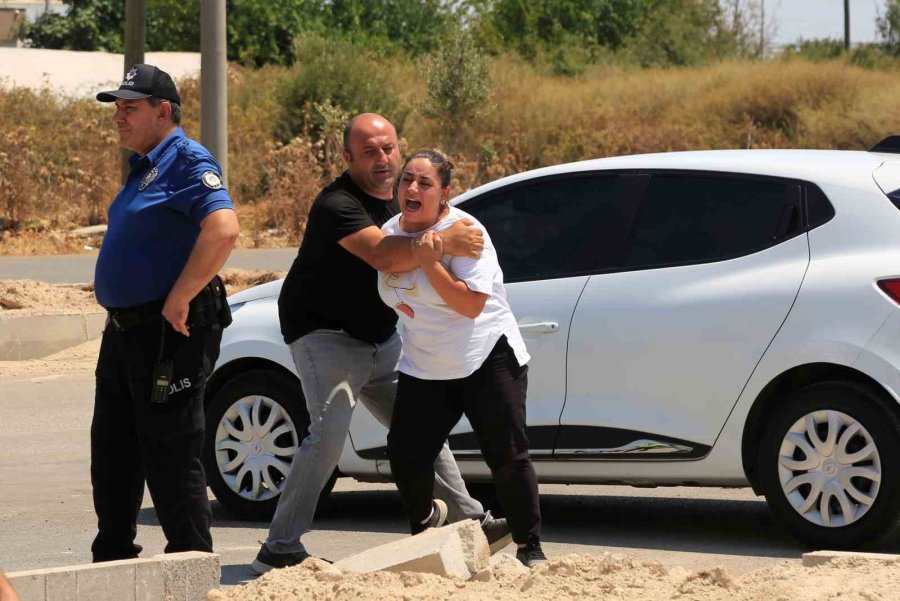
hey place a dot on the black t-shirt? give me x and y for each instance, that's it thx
(329, 287)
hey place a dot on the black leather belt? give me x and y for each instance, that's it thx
(125, 319)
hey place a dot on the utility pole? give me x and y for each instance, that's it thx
(135, 39)
(762, 29)
(214, 82)
(846, 25)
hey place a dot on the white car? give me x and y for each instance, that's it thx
(712, 318)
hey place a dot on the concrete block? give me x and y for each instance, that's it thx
(435, 551)
(189, 576)
(476, 550)
(172, 577)
(107, 581)
(61, 584)
(35, 336)
(818, 558)
(149, 581)
(31, 585)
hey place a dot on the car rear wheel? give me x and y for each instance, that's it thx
(253, 427)
(830, 465)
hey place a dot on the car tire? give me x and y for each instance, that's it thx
(829, 464)
(253, 426)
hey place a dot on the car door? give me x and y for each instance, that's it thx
(550, 233)
(659, 351)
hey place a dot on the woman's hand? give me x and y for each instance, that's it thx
(428, 249)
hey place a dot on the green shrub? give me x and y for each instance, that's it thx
(458, 82)
(824, 49)
(334, 73)
(681, 33)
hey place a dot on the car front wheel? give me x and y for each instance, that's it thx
(829, 464)
(254, 425)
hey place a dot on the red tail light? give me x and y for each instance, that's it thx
(891, 288)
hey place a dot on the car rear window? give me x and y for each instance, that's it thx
(686, 219)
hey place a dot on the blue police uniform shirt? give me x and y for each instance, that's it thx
(154, 221)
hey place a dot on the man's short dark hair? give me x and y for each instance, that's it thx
(347, 129)
(176, 108)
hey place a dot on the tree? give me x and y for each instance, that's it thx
(529, 26)
(681, 33)
(889, 27)
(415, 26)
(263, 31)
(88, 25)
(458, 84)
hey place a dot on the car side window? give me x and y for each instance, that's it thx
(553, 227)
(686, 219)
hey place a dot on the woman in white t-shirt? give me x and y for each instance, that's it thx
(462, 354)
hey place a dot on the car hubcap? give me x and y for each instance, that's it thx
(254, 444)
(829, 468)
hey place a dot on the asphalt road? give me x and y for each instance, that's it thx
(76, 269)
(46, 515)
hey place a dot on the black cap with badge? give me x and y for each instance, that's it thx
(143, 81)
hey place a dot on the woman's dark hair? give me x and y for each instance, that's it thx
(441, 163)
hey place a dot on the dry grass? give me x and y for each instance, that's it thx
(59, 165)
(236, 280)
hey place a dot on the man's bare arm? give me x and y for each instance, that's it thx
(462, 239)
(455, 292)
(394, 254)
(218, 232)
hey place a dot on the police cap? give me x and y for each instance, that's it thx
(143, 81)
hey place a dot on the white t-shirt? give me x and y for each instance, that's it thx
(438, 342)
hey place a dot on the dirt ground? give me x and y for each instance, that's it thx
(606, 576)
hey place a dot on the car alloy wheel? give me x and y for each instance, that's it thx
(829, 468)
(254, 423)
(829, 464)
(254, 443)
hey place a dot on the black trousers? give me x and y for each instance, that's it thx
(493, 398)
(133, 440)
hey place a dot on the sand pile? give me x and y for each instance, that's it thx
(607, 576)
(29, 297)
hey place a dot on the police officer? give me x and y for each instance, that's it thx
(171, 228)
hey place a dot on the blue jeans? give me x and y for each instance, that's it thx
(336, 371)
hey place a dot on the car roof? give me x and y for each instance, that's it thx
(819, 166)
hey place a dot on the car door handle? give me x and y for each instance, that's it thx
(544, 327)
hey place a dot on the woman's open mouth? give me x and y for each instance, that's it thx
(413, 205)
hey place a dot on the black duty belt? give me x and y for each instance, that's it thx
(125, 319)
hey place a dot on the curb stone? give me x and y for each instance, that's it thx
(35, 336)
(817, 558)
(167, 577)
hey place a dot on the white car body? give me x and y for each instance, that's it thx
(667, 376)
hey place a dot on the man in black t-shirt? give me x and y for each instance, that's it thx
(343, 338)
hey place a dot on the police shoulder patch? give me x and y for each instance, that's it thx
(211, 180)
(148, 179)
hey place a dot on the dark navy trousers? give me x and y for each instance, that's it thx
(134, 441)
